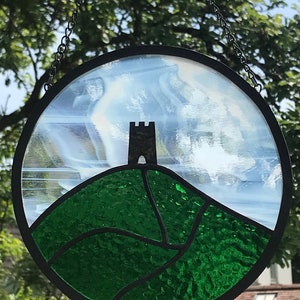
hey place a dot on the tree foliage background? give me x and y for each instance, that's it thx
(28, 36)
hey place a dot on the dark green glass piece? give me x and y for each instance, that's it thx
(223, 251)
(101, 265)
(178, 205)
(117, 200)
(135, 234)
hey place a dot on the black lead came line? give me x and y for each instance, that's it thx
(173, 260)
(181, 248)
(159, 218)
(120, 232)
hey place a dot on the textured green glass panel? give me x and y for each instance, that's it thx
(117, 200)
(101, 265)
(223, 251)
(178, 206)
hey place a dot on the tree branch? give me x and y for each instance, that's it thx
(23, 112)
(15, 27)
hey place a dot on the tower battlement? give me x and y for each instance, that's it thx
(142, 142)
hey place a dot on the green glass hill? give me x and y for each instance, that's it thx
(141, 232)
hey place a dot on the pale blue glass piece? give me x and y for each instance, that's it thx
(208, 131)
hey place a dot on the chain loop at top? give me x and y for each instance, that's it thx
(61, 49)
(65, 40)
(233, 42)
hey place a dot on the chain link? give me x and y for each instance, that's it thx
(65, 40)
(61, 49)
(232, 41)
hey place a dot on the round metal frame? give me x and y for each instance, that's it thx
(160, 50)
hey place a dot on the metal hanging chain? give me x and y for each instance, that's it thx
(61, 49)
(232, 41)
(65, 40)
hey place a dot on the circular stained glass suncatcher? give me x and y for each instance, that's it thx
(152, 173)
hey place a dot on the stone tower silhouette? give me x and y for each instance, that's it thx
(142, 143)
